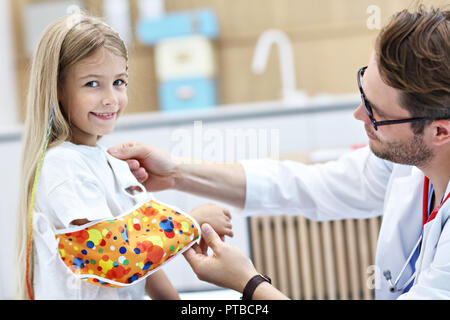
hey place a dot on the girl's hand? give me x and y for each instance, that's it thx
(217, 217)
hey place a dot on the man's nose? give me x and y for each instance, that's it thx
(361, 114)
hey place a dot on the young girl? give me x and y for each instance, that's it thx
(77, 91)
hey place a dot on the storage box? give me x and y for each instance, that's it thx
(191, 56)
(189, 93)
(200, 22)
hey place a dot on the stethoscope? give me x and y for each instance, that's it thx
(387, 274)
(393, 286)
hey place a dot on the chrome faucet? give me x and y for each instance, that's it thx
(287, 69)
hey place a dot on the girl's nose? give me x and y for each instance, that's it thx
(109, 97)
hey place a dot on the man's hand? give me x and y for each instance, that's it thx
(153, 167)
(227, 267)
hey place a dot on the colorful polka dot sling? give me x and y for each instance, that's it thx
(122, 251)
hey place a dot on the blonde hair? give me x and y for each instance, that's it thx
(65, 42)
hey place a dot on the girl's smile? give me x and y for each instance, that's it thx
(105, 116)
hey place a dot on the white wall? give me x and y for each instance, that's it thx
(9, 184)
(10, 150)
(8, 90)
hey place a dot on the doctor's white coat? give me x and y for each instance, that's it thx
(361, 185)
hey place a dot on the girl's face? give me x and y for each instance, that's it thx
(94, 95)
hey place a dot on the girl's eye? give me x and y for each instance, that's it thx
(120, 82)
(92, 84)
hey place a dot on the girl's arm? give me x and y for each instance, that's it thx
(159, 287)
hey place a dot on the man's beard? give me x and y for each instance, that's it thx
(413, 152)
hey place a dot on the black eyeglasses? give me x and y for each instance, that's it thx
(368, 107)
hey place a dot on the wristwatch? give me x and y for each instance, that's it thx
(252, 284)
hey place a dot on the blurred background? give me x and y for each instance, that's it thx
(213, 79)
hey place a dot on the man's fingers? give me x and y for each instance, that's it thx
(190, 255)
(140, 174)
(128, 150)
(194, 255)
(196, 248)
(211, 238)
(203, 246)
(133, 164)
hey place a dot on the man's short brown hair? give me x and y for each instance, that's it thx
(413, 56)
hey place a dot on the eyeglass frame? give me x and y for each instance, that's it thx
(369, 110)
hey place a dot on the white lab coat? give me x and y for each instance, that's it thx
(361, 185)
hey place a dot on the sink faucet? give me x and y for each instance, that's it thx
(287, 69)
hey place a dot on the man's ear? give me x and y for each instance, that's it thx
(440, 132)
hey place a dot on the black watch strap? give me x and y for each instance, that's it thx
(252, 284)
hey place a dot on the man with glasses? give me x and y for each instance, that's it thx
(403, 174)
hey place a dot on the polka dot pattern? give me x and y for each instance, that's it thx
(118, 252)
